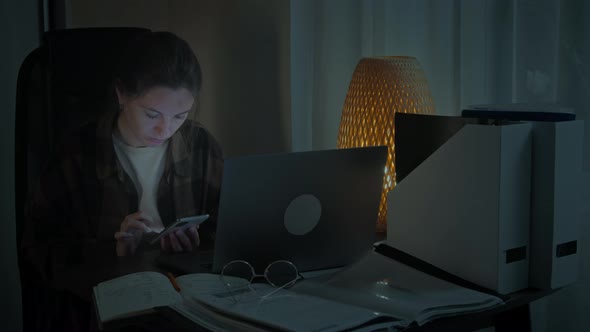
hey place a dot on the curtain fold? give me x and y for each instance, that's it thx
(473, 52)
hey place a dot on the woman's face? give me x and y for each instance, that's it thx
(153, 117)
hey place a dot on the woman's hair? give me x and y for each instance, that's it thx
(158, 59)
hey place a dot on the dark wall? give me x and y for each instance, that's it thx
(244, 49)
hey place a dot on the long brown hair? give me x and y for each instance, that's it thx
(158, 59)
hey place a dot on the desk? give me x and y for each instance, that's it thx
(512, 316)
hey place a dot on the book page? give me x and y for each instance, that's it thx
(199, 283)
(133, 293)
(213, 320)
(385, 285)
(207, 297)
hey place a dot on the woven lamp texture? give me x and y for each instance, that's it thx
(379, 88)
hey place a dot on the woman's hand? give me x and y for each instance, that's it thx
(131, 231)
(181, 240)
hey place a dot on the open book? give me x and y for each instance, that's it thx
(205, 300)
(389, 287)
(132, 295)
(374, 293)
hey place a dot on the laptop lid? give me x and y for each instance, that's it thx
(317, 209)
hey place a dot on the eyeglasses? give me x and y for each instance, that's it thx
(238, 275)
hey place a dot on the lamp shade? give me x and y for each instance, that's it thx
(381, 87)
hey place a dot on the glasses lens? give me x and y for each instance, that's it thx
(237, 274)
(281, 273)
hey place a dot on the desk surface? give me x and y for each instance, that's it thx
(514, 311)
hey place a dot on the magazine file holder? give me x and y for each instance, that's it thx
(466, 208)
(556, 203)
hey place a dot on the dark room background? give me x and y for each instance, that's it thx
(276, 74)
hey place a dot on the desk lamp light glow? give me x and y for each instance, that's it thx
(380, 87)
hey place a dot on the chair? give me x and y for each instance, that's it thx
(61, 85)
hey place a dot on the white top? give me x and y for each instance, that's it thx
(145, 166)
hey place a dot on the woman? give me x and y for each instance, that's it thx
(156, 92)
(141, 166)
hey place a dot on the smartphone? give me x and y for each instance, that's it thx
(181, 224)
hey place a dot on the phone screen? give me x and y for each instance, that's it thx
(181, 223)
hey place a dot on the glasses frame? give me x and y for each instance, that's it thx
(256, 275)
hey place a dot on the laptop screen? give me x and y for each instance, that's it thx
(317, 209)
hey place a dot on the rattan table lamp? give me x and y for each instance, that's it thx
(380, 87)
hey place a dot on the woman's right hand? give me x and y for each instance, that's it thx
(131, 231)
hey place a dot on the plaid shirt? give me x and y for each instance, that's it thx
(85, 194)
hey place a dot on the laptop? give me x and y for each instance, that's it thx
(317, 209)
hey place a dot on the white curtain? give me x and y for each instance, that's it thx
(473, 52)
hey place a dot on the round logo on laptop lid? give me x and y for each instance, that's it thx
(302, 214)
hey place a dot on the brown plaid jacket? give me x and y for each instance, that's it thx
(85, 194)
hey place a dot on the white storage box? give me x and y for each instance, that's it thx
(556, 205)
(466, 208)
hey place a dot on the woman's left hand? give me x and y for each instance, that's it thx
(181, 240)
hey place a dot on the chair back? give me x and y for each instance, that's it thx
(62, 84)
